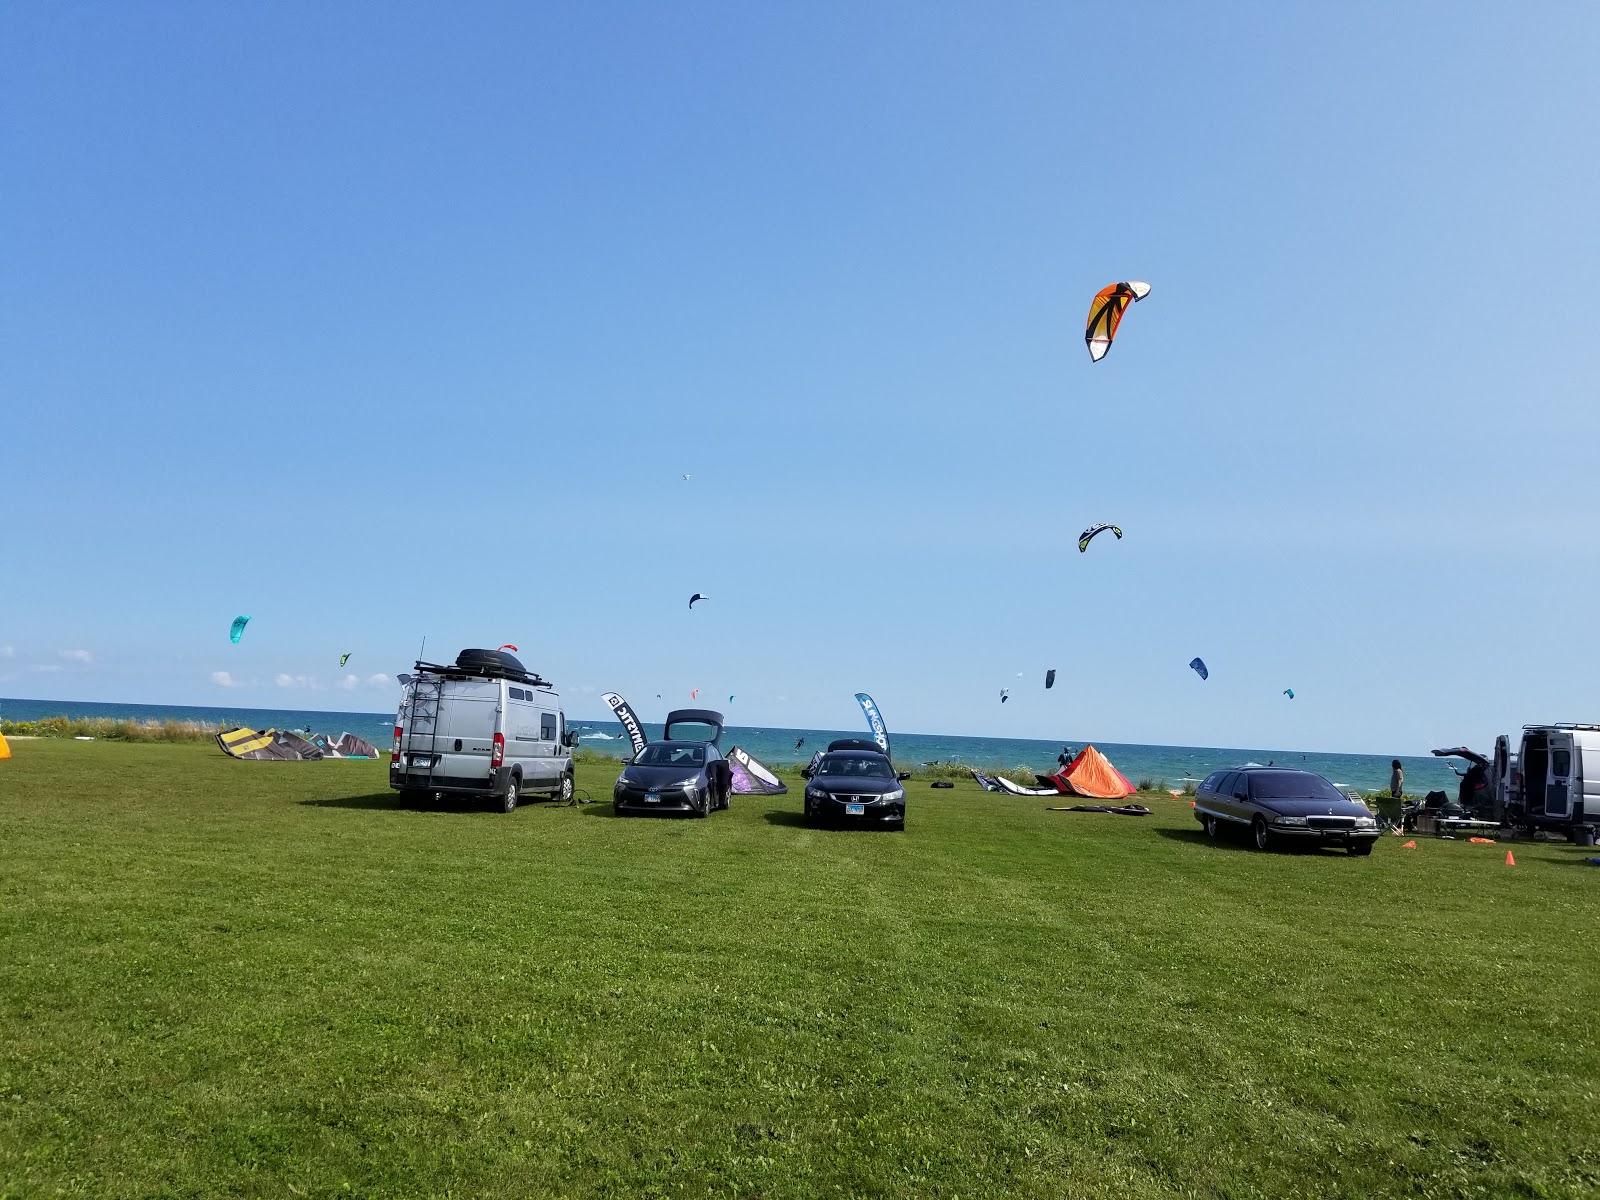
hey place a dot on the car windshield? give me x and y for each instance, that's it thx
(861, 767)
(1292, 785)
(659, 755)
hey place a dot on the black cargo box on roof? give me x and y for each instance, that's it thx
(864, 745)
(485, 664)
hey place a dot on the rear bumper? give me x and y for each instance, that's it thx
(418, 781)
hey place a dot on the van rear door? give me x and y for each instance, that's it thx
(468, 717)
(1558, 780)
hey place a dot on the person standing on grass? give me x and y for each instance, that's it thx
(1397, 780)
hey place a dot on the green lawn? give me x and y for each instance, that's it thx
(267, 979)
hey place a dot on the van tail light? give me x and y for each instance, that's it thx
(394, 755)
(499, 750)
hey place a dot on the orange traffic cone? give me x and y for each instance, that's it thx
(1411, 845)
(1511, 859)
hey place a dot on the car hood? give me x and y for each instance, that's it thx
(659, 777)
(854, 785)
(1315, 808)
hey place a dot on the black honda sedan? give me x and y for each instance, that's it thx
(1278, 806)
(673, 776)
(856, 786)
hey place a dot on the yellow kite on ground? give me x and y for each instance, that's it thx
(5, 750)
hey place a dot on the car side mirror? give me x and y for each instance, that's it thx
(805, 772)
(903, 776)
(569, 739)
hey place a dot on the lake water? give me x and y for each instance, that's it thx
(1015, 756)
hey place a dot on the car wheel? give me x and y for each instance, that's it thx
(1362, 848)
(1263, 835)
(508, 801)
(705, 803)
(898, 826)
(727, 797)
(1212, 826)
(564, 792)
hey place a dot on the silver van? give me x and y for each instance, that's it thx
(485, 726)
(1556, 781)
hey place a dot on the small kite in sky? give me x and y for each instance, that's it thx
(1289, 692)
(237, 631)
(1199, 667)
(509, 646)
(1004, 695)
(1094, 531)
(697, 596)
(686, 477)
(1105, 314)
(343, 658)
(695, 694)
(1050, 678)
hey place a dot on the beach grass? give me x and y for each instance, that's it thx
(224, 978)
(112, 729)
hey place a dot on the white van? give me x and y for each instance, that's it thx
(1556, 781)
(486, 726)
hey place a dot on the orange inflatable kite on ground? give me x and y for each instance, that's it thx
(1105, 314)
(1091, 774)
(5, 750)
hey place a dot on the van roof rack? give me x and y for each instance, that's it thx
(1566, 725)
(483, 670)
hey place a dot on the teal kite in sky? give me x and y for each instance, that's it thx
(237, 631)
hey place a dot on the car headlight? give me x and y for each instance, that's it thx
(622, 782)
(816, 793)
(897, 794)
(689, 785)
(1366, 822)
(1288, 820)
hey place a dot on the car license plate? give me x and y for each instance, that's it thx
(421, 761)
(855, 810)
(652, 797)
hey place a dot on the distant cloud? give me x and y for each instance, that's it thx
(77, 656)
(8, 651)
(223, 679)
(378, 680)
(350, 682)
(284, 680)
(46, 668)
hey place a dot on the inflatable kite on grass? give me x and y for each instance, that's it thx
(1094, 531)
(1105, 314)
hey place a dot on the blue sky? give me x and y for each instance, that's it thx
(378, 322)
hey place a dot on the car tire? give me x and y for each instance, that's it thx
(898, 826)
(704, 810)
(1362, 848)
(1212, 826)
(565, 790)
(1261, 834)
(508, 799)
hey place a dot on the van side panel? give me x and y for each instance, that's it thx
(1586, 788)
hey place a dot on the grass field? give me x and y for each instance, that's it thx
(268, 979)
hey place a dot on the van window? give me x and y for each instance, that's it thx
(1561, 763)
(1224, 786)
(547, 727)
(1209, 784)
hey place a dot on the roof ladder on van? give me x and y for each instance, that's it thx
(427, 696)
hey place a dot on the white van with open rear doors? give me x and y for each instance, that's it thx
(1554, 782)
(486, 726)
